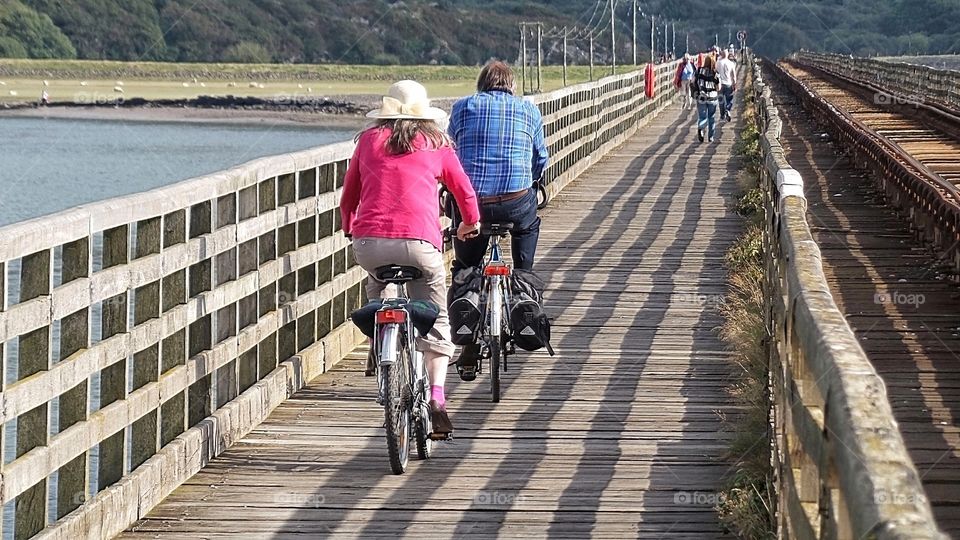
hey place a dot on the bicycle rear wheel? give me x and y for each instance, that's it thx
(397, 413)
(496, 349)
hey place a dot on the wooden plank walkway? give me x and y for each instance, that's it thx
(620, 435)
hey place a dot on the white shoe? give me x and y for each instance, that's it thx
(710, 139)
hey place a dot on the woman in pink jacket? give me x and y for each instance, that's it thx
(390, 206)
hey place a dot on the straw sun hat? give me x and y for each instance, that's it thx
(407, 99)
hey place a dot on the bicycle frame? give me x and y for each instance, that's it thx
(496, 300)
(388, 337)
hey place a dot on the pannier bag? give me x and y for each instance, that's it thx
(463, 305)
(529, 325)
(423, 314)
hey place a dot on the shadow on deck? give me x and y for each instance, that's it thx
(619, 435)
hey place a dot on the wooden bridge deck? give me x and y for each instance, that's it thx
(619, 435)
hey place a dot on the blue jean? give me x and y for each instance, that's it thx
(522, 212)
(706, 115)
(726, 99)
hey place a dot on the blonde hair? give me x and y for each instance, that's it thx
(404, 132)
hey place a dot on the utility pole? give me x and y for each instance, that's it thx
(653, 29)
(634, 32)
(729, 36)
(686, 48)
(564, 55)
(613, 41)
(591, 55)
(523, 58)
(716, 40)
(539, 57)
(673, 46)
(664, 40)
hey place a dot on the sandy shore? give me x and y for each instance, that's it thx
(190, 115)
(153, 113)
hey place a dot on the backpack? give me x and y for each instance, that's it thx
(463, 305)
(529, 325)
(707, 83)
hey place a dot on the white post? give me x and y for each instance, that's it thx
(539, 57)
(653, 29)
(564, 55)
(613, 41)
(591, 55)
(523, 58)
(634, 32)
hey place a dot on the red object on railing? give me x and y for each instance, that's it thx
(649, 82)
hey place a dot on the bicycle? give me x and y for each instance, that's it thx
(494, 331)
(403, 388)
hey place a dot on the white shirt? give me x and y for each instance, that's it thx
(727, 71)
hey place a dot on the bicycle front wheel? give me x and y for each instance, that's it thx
(423, 426)
(397, 414)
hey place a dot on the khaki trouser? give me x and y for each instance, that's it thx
(375, 252)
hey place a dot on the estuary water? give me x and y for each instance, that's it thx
(51, 164)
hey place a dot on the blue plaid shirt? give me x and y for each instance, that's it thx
(499, 139)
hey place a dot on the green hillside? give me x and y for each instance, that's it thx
(451, 31)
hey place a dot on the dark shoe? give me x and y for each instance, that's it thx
(467, 363)
(371, 365)
(700, 135)
(439, 419)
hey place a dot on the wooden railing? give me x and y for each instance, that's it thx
(143, 335)
(842, 469)
(908, 84)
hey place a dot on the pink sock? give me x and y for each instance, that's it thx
(436, 394)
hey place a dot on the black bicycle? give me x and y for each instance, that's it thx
(494, 332)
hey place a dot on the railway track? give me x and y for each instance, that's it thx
(895, 291)
(933, 144)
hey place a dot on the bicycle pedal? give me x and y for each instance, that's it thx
(440, 437)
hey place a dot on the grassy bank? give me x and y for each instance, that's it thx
(746, 507)
(95, 81)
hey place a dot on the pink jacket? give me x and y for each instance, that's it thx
(396, 196)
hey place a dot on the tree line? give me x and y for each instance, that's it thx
(452, 31)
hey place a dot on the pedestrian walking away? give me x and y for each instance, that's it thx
(707, 83)
(683, 80)
(390, 207)
(727, 74)
(500, 141)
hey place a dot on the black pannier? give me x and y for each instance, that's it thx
(463, 305)
(423, 314)
(529, 325)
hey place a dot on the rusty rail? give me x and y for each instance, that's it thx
(931, 203)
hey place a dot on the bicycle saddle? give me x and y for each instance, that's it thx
(397, 273)
(496, 228)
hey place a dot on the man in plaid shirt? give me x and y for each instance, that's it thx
(499, 139)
